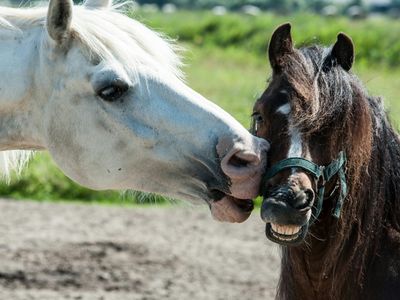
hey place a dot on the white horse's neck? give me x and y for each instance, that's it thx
(19, 56)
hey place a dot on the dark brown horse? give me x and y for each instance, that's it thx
(316, 110)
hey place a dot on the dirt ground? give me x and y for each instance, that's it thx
(68, 251)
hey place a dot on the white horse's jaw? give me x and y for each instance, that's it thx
(157, 136)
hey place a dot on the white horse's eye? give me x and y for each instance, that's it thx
(113, 92)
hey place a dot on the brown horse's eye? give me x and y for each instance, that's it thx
(257, 121)
(258, 118)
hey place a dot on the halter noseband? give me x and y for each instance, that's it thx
(322, 174)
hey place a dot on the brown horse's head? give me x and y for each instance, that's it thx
(302, 114)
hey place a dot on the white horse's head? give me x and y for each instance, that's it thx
(102, 93)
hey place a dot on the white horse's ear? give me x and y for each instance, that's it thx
(59, 18)
(98, 4)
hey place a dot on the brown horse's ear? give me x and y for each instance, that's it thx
(343, 51)
(280, 45)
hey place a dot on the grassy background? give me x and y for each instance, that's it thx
(377, 38)
(226, 62)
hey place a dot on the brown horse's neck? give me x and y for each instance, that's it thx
(333, 261)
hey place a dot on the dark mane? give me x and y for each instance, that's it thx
(338, 254)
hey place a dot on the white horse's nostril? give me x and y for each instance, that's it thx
(242, 159)
(240, 163)
(243, 162)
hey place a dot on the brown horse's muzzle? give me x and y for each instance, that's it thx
(287, 209)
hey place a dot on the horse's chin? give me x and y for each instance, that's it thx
(286, 235)
(232, 210)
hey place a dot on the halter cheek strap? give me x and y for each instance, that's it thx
(322, 174)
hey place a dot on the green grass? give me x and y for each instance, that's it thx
(377, 39)
(232, 75)
(229, 77)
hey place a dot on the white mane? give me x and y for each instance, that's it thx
(103, 34)
(13, 160)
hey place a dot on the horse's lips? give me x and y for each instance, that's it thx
(230, 209)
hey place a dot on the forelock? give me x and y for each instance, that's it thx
(110, 34)
(319, 94)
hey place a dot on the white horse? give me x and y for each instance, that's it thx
(102, 93)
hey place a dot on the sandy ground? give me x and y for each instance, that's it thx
(67, 251)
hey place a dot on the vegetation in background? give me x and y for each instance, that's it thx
(377, 40)
(226, 62)
(281, 6)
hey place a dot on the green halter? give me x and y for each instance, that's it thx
(322, 174)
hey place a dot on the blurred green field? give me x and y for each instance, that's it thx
(377, 38)
(230, 75)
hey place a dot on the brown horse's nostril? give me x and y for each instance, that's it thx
(304, 199)
(310, 195)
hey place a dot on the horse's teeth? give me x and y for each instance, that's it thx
(285, 229)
